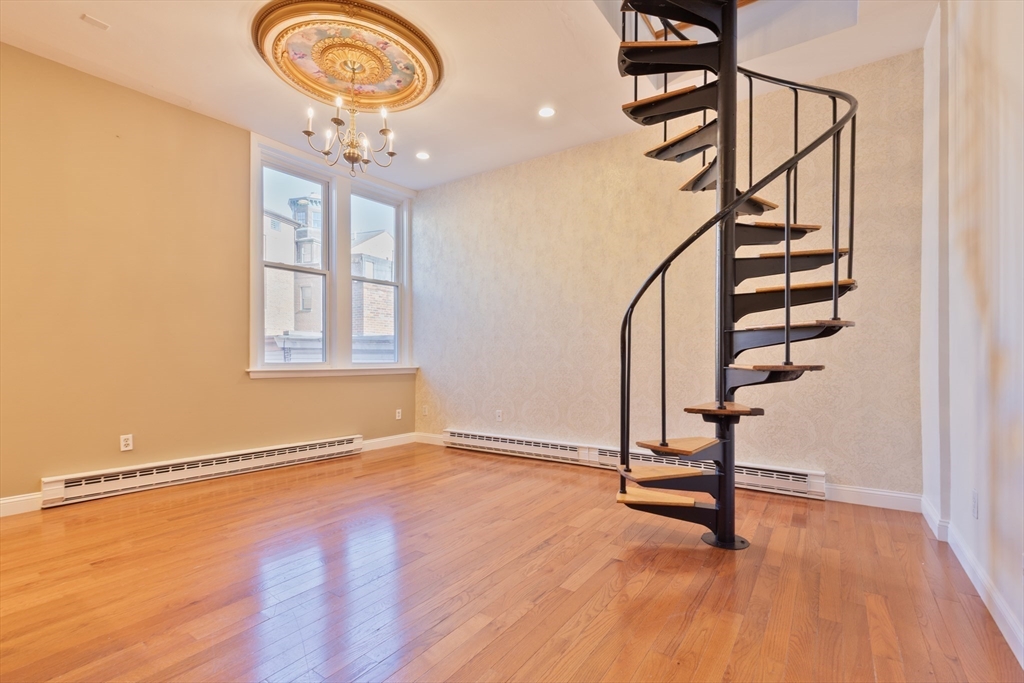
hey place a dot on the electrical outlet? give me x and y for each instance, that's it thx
(974, 503)
(398, 414)
(126, 442)
(497, 415)
(425, 411)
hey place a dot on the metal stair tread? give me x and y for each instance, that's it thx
(643, 473)
(688, 185)
(649, 497)
(807, 323)
(778, 368)
(805, 252)
(782, 226)
(659, 97)
(687, 445)
(730, 408)
(807, 285)
(676, 139)
(632, 44)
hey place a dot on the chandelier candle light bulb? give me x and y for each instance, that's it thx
(309, 119)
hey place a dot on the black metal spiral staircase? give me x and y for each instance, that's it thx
(642, 486)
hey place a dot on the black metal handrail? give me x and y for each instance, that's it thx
(625, 334)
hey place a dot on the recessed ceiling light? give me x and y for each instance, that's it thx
(546, 112)
(422, 155)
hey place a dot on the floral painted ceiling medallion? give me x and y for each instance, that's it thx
(362, 52)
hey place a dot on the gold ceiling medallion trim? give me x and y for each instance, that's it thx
(347, 59)
(399, 71)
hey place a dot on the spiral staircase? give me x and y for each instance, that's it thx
(652, 488)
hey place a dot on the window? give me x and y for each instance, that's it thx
(374, 291)
(327, 276)
(294, 288)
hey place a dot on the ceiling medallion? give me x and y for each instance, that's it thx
(361, 52)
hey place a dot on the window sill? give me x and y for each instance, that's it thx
(273, 373)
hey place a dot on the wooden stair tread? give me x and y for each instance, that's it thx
(798, 226)
(771, 206)
(779, 368)
(678, 138)
(807, 323)
(807, 285)
(805, 252)
(687, 445)
(641, 473)
(649, 497)
(658, 97)
(689, 183)
(656, 43)
(729, 409)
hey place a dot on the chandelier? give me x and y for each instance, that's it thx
(352, 54)
(354, 147)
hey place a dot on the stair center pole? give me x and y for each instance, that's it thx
(726, 244)
(725, 536)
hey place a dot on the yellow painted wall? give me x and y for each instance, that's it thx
(124, 288)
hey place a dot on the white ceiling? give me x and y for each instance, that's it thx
(504, 59)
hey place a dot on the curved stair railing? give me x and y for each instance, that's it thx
(640, 58)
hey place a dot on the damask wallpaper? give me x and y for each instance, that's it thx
(523, 274)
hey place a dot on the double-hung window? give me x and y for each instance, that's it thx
(329, 274)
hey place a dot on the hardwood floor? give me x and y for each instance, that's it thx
(426, 564)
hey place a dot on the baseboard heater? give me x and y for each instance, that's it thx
(793, 482)
(73, 488)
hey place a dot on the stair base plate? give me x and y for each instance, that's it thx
(738, 542)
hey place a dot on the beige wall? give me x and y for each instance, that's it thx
(523, 274)
(977, 263)
(124, 288)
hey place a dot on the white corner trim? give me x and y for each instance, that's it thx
(15, 505)
(939, 527)
(1004, 617)
(277, 373)
(876, 498)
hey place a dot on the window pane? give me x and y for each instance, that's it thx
(293, 317)
(292, 210)
(373, 323)
(373, 239)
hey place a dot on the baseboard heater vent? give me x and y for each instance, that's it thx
(73, 488)
(803, 483)
(527, 448)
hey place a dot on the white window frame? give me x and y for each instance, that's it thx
(337, 261)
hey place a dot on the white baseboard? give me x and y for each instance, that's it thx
(427, 437)
(15, 505)
(1004, 617)
(402, 440)
(876, 498)
(939, 527)
(389, 441)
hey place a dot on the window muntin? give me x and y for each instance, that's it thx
(294, 275)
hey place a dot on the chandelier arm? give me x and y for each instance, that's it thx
(309, 139)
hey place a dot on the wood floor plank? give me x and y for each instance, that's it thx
(420, 563)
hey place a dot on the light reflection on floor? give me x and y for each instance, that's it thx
(363, 573)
